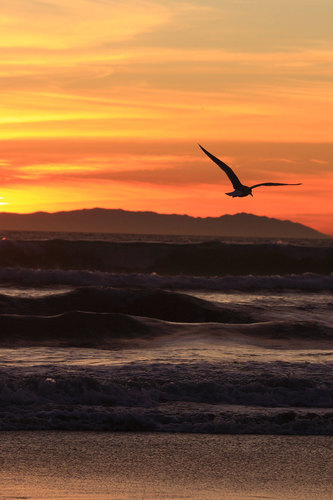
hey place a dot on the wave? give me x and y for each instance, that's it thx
(153, 303)
(276, 398)
(206, 259)
(307, 282)
(282, 421)
(108, 331)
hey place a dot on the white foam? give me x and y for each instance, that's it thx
(34, 277)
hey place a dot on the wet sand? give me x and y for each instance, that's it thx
(100, 466)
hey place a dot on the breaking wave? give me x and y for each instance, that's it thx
(206, 259)
(275, 398)
(41, 277)
(111, 330)
(153, 303)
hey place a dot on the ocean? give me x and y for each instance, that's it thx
(135, 333)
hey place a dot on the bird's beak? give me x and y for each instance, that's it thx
(251, 194)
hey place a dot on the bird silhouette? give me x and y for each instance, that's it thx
(240, 189)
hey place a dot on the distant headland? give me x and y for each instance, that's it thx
(103, 220)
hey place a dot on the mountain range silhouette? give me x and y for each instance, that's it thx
(103, 220)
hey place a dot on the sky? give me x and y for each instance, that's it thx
(103, 104)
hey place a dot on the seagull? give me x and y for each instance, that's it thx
(240, 189)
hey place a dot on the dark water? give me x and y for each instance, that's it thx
(175, 336)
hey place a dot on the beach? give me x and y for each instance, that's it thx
(90, 465)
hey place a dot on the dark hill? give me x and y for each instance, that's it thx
(121, 221)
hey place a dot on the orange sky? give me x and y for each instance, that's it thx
(103, 103)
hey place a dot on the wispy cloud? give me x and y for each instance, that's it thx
(64, 25)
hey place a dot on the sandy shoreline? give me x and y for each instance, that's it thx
(90, 465)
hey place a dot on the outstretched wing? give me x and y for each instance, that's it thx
(274, 184)
(230, 173)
